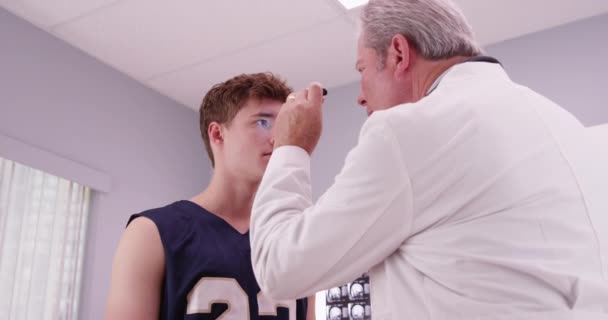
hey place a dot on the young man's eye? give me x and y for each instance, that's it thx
(264, 123)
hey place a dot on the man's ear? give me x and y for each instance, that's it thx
(399, 55)
(216, 133)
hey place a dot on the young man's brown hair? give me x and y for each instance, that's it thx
(225, 99)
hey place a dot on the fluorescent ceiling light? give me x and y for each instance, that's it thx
(349, 4)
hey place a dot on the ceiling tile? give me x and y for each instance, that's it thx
(146, 38)
(325, 53)
(45, 13)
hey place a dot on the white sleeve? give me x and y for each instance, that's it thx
(299, 247)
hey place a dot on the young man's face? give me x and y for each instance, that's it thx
(248, 139)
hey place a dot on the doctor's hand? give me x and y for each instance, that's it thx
(299, 122)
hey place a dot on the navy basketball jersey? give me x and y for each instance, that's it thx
(208, 272)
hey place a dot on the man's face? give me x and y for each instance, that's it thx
(248, 139)
(379, 86)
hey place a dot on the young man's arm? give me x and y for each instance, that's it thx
(310, 313)
(137, 273)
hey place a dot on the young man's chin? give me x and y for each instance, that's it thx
(257, 175)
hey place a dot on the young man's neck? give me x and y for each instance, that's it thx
(228, 198)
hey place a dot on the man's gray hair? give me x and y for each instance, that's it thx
(437, 29)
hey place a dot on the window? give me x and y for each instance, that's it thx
(43, 221)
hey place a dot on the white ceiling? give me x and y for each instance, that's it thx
(182, 48)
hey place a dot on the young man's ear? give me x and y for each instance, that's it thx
(399, 54)
(216, 133)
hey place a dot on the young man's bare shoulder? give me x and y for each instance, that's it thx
(137, 272)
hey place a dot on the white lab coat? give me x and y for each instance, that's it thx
(464, 205)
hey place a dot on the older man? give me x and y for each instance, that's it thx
(460, 197)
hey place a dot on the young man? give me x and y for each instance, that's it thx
(191, 259)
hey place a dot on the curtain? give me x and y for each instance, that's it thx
(43, 221)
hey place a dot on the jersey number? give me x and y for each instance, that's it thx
(209, 291)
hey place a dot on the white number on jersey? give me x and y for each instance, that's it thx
(209, 291)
